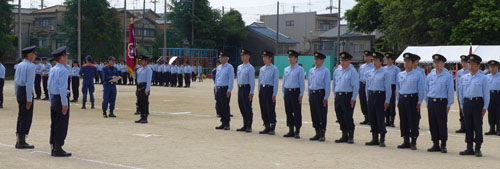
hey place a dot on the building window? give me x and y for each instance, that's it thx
(326, 25)
(290, 23)
(42, 42)
(44, 23)
(60, 43)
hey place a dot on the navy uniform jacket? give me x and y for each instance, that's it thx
(88, 72)
(108, 72)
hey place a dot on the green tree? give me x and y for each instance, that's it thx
(364, 16)
(6, 25)
(481, 24)
(101, 32)
(233, 28)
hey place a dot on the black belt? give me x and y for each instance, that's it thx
(292, 89)
(318, 91)
(343, 93)
(495, 91)
(221, 87)
(265, 86)
(244, 85)
(409, 95)
(376, 92)
(363, 83)
(473, 98)
(437, 99)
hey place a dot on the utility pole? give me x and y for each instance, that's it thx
(192, 25)
(331, 7)
(165, 28)
(79, 46)
(294, 6)
(19, 45)
(125, 30)
(338, 35)
(277, 27)
(154, 2)
(143, 21)
(309, 4)
(41, 6)
(222, 10)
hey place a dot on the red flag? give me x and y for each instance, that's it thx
(456, 70)
(131, 50)
(470, 50)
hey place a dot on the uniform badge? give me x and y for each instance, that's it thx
(432, 80)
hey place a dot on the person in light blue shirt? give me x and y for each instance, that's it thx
(378, 90)
(410, 93)
(24, 79)
(458, 80)
(223, 87)
(493, 107)
(38, 78)
(246, 82)
(2, 82)
(124, 73)
(439, 97)
(345, 89)
(319, 79)
(144, 77)
(174, 75)
(393, 70)
(200, 73)
(187, 74)
(363, 69)
(293, 91)
(180, 74)
(45, 77)
(75, 80)
(268, 88)
(474, 101)
(59, 105)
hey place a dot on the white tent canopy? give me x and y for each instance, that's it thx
(452, 53)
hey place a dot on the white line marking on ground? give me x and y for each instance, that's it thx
(147, 135)
(76, 158)
(180, 113)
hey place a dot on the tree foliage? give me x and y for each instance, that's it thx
(6, 26)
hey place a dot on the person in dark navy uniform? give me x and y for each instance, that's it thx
(24, 80)
(109, 97)
(59, 104)
(474, 99)
(38, 79)
(363, 69)
(494, 108)
(89, 73)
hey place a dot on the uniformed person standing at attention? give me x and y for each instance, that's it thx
(180, 73)
(75, 80)
(144, 76)
(393, 70)
(45, 77)
(363, 69)
(187, 74)
(246, 83)
(465, 69)
(423, 74)
(439, 97)
(88, 72)
(319, 90)
(378, 91)
(38, 79)
(474, 99)
(494, 108)
(109, 97)
(293, 90)
(174, 75)
(410, 91)
(59, 105)
(268, 88)
(223, 86)
(345, 88)
(24, 80)
(2, 82)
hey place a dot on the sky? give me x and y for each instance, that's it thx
(250, 9)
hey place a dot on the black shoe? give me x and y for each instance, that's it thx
(322, 135)
(392, 124)
(413, 144)
(315, 137)
(265, 131)
(57, 151)
(1, 106)
(444, 150)
(467, 152)
(478, 153)
(491, 132)
(244, 128)
(350, 137)
(104, 114)
(37, 98)
(297, 133)
(83, 105)
(435, 148)
(111, 114)
(137, 113)
(248, 130)
(342, 139)
(220, 127)
(46, 98)
(364, 122)
(271, 129)
(406, 143)
(290, 133)
(461, 130)
(74, 100)
(372, 143)
(387, 124)
(21, 142)
(382, 140)
(92, 105)
(227, 127)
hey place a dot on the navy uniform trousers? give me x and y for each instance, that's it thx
(408, 115)
(223, 104)
(245, 104)
(376, 100)
(494, 111)
(390, 113)
(88, 86)
(109, 96)
(473, 119)
(25, 116)
(75, 84)
(142, 100)
(438, 119)
(45, 79)
(179, 79)
(267, 106)
(318, 110)
(293, 108)
(59, 122)
(38, 85)
(362, 100)
(344, 111)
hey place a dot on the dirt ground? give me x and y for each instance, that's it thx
(181, 134)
